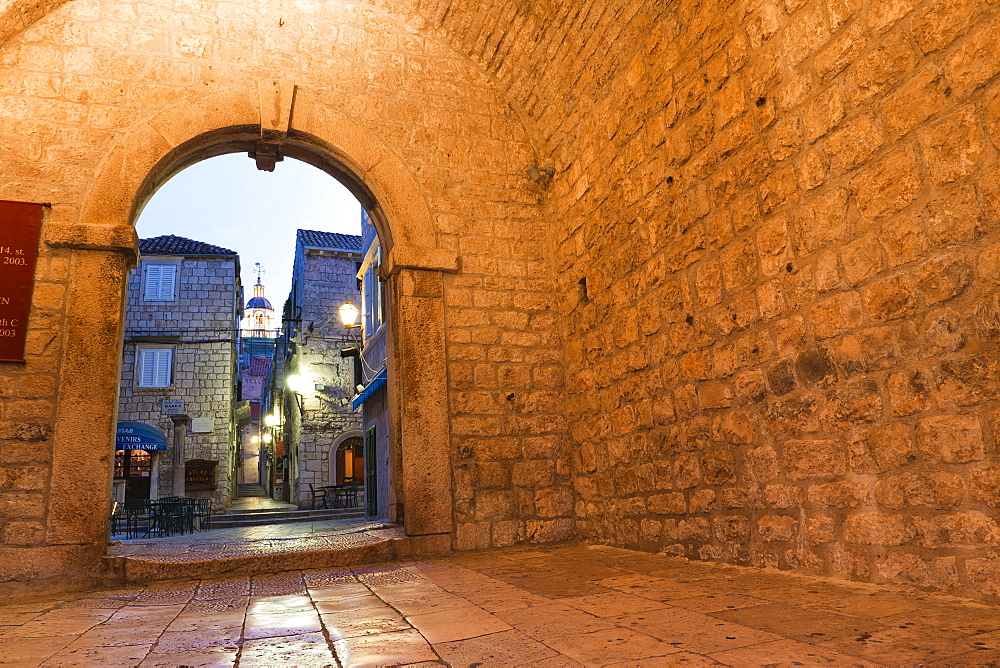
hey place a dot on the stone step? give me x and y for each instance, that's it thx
(251, 518)
(244, 490)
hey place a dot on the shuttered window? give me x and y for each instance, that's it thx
(160, 284)
(155, 367)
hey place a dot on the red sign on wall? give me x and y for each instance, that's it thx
(20, 227)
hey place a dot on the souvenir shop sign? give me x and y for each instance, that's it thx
(20, 227)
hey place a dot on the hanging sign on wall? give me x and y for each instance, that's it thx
(20, 227)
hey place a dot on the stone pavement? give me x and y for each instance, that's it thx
(257, 540)
(246, 503)
(558, 606)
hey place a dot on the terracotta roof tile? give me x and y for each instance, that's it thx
(259, 366)
(317, 239)
(168, 244)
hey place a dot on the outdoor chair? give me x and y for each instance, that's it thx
(117, 518)
(138, 515)
(317, 494)
(350, 494)
(203, 513)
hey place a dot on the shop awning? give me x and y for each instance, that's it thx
(139, 436)
(370, 389)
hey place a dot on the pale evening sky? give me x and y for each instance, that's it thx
(228, 202)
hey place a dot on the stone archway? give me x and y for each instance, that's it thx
(103, 244)
(335, 448)
(340, 467)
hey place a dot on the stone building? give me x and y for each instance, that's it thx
(258, 331)
(183, 304)
(714, 278)
(372, 399)
(321, 431)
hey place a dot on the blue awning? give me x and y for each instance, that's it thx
(139, 436)
(373, 385)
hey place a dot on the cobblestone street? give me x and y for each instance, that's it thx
(560, 606)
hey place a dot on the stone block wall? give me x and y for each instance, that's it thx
(28, 396)
(750, 319)
(206, 304)
(323, 279)
(324, 418)
(777, 240)
(75, 83)
(204, 366)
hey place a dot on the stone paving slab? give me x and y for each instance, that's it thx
(256, 541)
(502, 608)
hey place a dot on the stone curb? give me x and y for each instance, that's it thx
(131, 570)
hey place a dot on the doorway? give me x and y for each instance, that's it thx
(283, 389)
(100, 247)
(350, 461)
(134, 468)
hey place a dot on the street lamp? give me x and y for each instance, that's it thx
(300, 385)
(349, 315)
(272, 420)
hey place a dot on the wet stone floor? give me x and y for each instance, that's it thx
(559, 606)
(256, 541)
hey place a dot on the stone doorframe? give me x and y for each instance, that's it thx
(274, 116)
(332, 454)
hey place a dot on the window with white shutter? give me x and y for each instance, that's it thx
(155, 367)
(160, 283)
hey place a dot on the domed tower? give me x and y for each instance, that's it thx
(259, 320)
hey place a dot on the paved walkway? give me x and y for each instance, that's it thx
(246, 503)
(561, 606)
(256, 541)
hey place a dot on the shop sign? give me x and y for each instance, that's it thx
(172, 407)
(139, 436)
(199, 475)
(20, 227)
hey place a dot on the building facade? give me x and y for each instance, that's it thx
(258, 331)
(372, 399)
(320, 432)
(179, 370)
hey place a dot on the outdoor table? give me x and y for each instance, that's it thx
(343, 496)
(171, 515)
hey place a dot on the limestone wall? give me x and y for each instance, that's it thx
(86, 77)
(783, 351)
(786, 216)
(204, 365)
(322, 282)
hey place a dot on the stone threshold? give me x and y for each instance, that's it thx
(123, 570)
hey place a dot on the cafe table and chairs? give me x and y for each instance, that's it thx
(169, 516)
(344, 495)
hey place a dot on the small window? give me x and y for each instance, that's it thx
(155, 367)
(160, 283)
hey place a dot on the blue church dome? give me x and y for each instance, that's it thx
(259, 302)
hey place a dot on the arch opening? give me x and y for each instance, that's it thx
(302, 348)
(246, 140)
